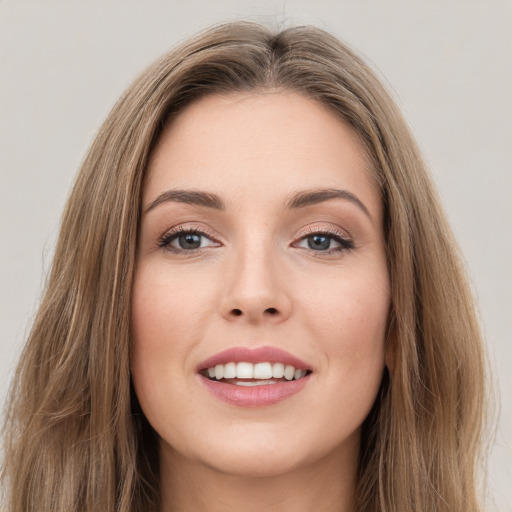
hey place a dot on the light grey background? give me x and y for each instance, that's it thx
(64, 64)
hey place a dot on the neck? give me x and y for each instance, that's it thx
(190, 486)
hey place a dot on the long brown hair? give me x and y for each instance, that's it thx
(75, 438)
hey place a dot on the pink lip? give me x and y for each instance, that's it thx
(254, 355)
(257, 396)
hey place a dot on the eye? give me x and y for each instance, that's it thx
(325, 242)
(319, 242)
(182, 240)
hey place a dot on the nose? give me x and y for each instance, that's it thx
(255, 289)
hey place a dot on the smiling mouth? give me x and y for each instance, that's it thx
(259, 374)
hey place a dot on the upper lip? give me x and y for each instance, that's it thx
(254, 355)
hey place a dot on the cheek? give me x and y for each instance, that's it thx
(152, 322)
(167, 308)
(167, 313)
(353, 310)
(349, 320)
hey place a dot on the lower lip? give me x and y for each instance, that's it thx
(254, 396)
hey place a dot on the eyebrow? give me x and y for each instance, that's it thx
(312, 197)
(194, 197)
(299, 200)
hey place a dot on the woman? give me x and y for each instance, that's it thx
(255, 301)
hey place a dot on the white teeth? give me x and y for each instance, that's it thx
(259, 383)
(263, 371)
(230, 371)
(278, 370)
(289, 372)
(244, 370)
(219, 371)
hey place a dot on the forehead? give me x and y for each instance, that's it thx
(271, 143)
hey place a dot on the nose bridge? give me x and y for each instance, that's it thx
(254, 287)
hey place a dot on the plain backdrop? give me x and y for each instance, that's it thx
(448, 63)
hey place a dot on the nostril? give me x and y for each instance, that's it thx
(268, 311)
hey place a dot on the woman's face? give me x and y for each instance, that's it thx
(261, 242)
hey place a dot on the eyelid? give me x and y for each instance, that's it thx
(341, 236)
(169, 234)
(324, 229)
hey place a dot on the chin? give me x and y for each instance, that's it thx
(261, 454)
(255, 465)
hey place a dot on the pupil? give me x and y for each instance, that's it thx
(318, 242)
(190, 241)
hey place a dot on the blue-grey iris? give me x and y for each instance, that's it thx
(319, 242)
(190, 241)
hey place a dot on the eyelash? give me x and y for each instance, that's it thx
(165, 240)
(345, 243)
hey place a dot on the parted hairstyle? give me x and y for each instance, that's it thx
(75, 436)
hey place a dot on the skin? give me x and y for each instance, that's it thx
(256, 281)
